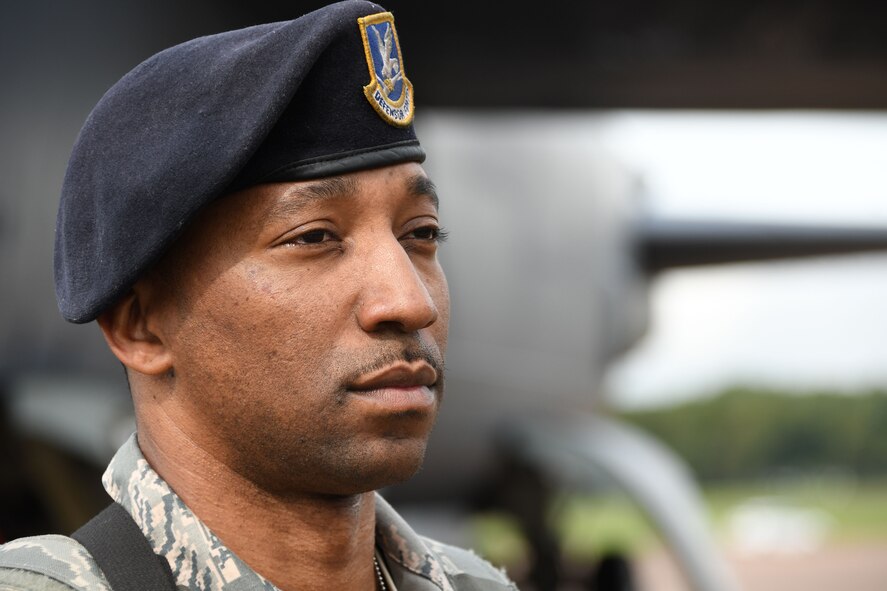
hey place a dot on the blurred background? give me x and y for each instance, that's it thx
(595, 159)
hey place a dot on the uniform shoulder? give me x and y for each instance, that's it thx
(49, 563)
(467, 570)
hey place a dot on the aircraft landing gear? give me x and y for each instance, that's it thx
(525, 492)
(521, 491)
(542, 455)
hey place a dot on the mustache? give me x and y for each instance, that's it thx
(418, 351)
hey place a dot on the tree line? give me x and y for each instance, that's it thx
(746, 434)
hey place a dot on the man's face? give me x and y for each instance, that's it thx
(308, 326)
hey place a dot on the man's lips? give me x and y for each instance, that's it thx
(398, 375)
(400, 387)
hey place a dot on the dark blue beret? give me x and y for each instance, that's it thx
(321, 95)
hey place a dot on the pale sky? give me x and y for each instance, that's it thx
(797, 325)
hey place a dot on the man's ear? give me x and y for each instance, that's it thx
(132, 337)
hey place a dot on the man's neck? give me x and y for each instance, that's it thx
(298, 542)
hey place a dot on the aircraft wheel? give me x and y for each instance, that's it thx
(612, 573)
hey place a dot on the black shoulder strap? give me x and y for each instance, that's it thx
(121, 550)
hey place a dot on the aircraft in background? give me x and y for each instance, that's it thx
(549, 262)
(549, 267)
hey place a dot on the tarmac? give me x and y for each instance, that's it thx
(859, 566)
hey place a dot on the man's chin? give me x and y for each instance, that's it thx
(385, 464)
(394, 462)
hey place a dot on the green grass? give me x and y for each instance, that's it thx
(591, 525)
(858, 510)
(587, 527)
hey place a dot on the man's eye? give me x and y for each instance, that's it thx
(314, 237)
(430, 233)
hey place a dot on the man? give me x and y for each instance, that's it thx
(246, 217)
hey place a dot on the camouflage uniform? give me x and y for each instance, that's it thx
(199, 560)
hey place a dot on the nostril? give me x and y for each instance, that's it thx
(397, 309)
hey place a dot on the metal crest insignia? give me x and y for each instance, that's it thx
(389, 91)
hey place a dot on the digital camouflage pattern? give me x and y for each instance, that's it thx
(57, 557)
(200, 561)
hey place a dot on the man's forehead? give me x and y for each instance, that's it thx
(299, 195)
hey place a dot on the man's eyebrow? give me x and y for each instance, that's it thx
(301, 196)
(421, 186)
(297, 198)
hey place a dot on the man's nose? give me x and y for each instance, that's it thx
(394, 294)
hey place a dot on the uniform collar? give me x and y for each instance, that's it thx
(199, 559)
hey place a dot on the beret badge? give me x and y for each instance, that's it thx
(389, 91)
